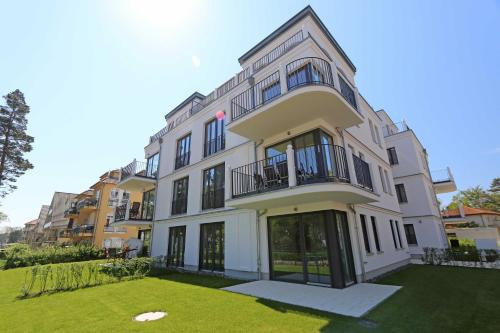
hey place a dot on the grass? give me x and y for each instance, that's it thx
(433, 299)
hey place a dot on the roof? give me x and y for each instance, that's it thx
(288, 24)
(35, 221)
(184, 103)
(468, 211)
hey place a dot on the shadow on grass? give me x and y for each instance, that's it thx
(193, 278)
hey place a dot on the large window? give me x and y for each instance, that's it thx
(148, 205)
(183, 151)
(393, 157)
(411, 236)
(215, 139)
(213, 187)
(375, 233)
(271, 91)
(396, 223)
(366, 238)
(212, 246)
(179, 202)
(176, 246)
(393, 232)
(401, 193)
(347, 92)
(152, 166)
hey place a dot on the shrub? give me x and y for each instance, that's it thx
(23, 255)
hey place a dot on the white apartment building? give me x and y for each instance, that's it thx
(416, 187)
(274, 174)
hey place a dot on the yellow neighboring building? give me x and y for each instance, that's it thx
(92, 213)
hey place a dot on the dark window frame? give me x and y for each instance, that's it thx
(375, 233)
(396, 225)
(176, 210)
(213, 256)
(393, 234)
(411, 235)
(183, 151)
(366, 237)
(214, 197)
(392, 155)
(147, 210)
(152, 165)
(173, 234)
(215, 137)
(401, 193)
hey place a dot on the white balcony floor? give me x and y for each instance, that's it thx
(354, 301)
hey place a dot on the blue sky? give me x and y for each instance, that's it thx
(100, 75)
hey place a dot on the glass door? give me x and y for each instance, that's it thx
(317, 261)
(212, 246)
(176, 245)
(346, 258)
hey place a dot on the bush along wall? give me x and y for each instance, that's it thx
(49, 279)
(461, 256)
(24, 256)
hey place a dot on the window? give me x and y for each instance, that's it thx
(183, 151)
(152, 166)
(125, 198)
(393, 234)
(375, 233)
(365, 233)
(382, 180)
(401, 193)
(113, 197)
(148, 205)
(411, 237)
(372, 130)
(398, 233)
(347, 92)
(271, 91)
(176, 246)
(212, 246)
(213, 187)
(393, 157)
(306, 74)
(215, 139)
(179, 203)
(377, 136)
(387, 181)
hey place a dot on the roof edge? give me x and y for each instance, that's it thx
(297, 17)
(194, 95)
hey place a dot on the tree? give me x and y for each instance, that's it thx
(3, 216)
(14, 141)
(495, 185)
(477, 197)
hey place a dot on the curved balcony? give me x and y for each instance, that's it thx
(304, 175)
(266, 109)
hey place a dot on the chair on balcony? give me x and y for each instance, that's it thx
(134, 210)
(258, 182)
(271, 176)
(282, 170)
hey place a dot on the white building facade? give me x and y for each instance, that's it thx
(416, 187)
(275, 174)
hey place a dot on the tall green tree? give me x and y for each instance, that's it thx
(495, 185)
(14, 141)
(477, 197)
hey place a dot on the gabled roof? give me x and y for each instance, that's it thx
(288, 24)
(468, 211)
(184, 103)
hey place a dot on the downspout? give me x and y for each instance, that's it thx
(258, 215)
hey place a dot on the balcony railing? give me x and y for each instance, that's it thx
(320, 163)
(264, 175)
(115, 230)
(394, 128)
(71, 211)
(347, 92)
(86, 203)
(179, 206)
(307, 71)
(131, 212)
(261, 93)
(214, 145)
(138, 169)
(362, 170)
(182, 160)
(442, 176)
(277, 52)
(82, 229)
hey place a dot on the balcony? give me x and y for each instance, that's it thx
(306, 175)
(443, 181)
(133, 214)
(71, 212)
(115, 230)
(83, 231)
(395, 128)
(86, 205)
(266, 109)
(136, 176)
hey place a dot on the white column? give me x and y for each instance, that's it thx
(283, 78)
(127, 210)
(292, 176)
(350, 166)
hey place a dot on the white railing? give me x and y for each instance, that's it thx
(395, 128)
(442, 175)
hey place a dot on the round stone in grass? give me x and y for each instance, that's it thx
(150, 316)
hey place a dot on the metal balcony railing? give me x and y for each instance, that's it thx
(261, 93)
(139, 169)
(363, 176)
(86, 203)
(264, 175)
(321, 163)
(442, 176)
(394, 128)
(347, 92)
(182, 160)
(278, 51)
(307, 71)
(131, 212)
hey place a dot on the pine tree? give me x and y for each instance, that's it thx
(14, 141)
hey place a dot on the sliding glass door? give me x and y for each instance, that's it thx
(311, 248)
(212, 246)
(176, 246)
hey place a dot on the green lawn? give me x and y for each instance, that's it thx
(433, 299)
